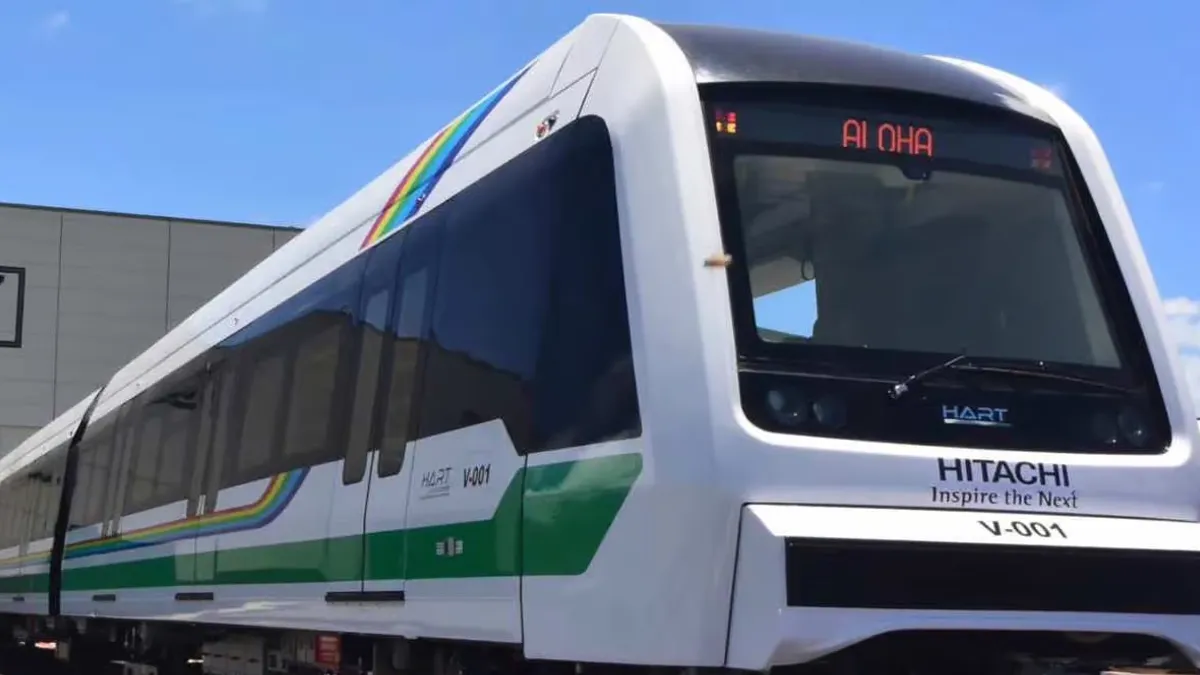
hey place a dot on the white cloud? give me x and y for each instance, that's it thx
(1154, 186)
(1183, 320)
(55, 22)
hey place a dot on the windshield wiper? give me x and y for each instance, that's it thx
(900, 388)
(1045, 374)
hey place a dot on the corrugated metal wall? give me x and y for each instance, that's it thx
(99, 289)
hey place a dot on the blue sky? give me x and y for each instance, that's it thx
(275, 110)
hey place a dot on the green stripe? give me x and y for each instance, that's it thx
(567, 510)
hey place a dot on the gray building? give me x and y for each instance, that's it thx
(83, 292)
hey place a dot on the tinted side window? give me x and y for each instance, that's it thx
(95, 453)
(492, 288)
(263, 397)
(144, 462)
(223, 411)
(530, 324)
(49, 475)
(374, 345)
(43, 488)
(25, 501)
(408, 330)
(320, 332)
(586, 391)
(58, 466)
(7, 513)
(179, 420)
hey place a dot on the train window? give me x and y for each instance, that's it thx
(55, 471)
(145, 462)
(585, 389)
(25, 509)
(264, 397)
(374, 315)
(125, 435)
(101, 460)
(492, 286)
(531, 325)
(223, 424)
(37, 505)
(314, 378)
(418, 265)
(179, 422)
(318, 319)
(44, 526)
(6, 516)
(21, 491)
(366, 380)
(83, 483)
(8, 510)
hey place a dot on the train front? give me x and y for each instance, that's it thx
(964, 436)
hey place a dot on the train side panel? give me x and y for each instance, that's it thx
(671, 542)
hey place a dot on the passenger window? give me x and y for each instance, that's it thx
(314, 378)
(531, 324)
(175, 455)
(370, 358)
(263, 400)
(418, 263)
(45, 526)
(55, 471)
(83, 483)
(223, 427)
(492, 285)
(586, 391)
(317, 327)
(39, 506)
(10, 514)
(6, 515)
(145, 462)
(101, 464)
(26, 507)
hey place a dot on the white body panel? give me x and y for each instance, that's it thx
(764, 631)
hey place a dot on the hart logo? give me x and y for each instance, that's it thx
(975, 416)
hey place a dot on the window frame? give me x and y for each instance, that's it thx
(1117, 307)
(19, 318)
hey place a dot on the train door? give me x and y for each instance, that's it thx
(386, 524)
(381, 559)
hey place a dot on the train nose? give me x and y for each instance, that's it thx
(814, 580)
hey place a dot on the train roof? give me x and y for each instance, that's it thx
(720, 54)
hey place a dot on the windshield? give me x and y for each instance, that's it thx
(903, 233)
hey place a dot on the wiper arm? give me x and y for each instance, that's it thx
(900, 388)
(1044, 374)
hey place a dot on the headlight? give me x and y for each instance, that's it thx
(1133, 427)
(787, 406)
(830, 411)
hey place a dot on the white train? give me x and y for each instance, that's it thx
(684, 347)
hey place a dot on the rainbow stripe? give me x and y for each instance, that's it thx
(412, 191)
(278, 494)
